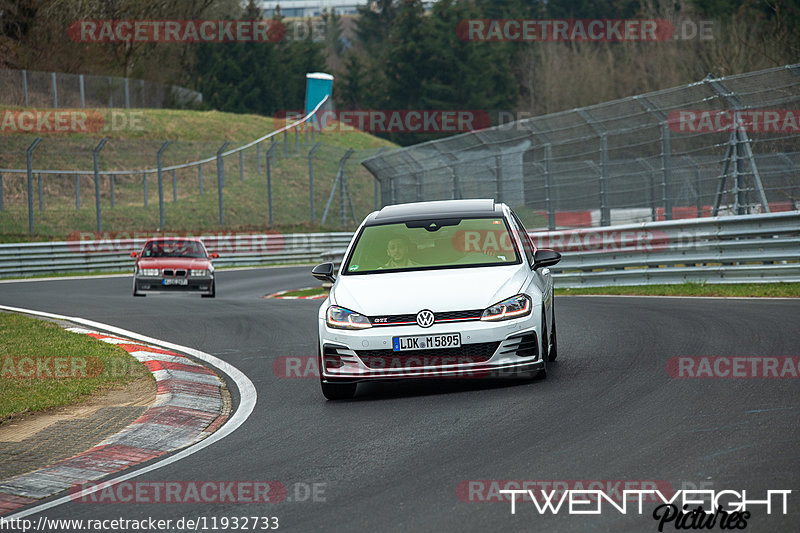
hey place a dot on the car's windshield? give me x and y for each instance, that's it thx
(176, 248)
(431, 244)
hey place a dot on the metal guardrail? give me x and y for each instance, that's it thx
(31, 259)
(730, 249)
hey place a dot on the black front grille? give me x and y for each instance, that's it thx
(169, 272)
(180, 273)
(467, 353)
(528, 346)
(410, 319)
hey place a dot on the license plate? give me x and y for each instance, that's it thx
(177, 281)
(426, 342)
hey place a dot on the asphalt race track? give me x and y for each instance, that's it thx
(393, 458)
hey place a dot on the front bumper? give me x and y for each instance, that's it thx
(201, 285)
(488, 350)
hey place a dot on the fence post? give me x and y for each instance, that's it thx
(258, 159)
(55, 89)
(2, 194)
(648, 187)
(498, 176)
(738, 188)
(605, 209)
(241, 166)
(25, 87)
(339, 178)
(29, 160)
(161, 185)
(377, 185)
(296, 145)
(112, 180)
(40, 189)
(174, 186)
(548, 186)
(285, 144)
(221, 181)
(144, 183)
(697, 184)
(200, 178)
(666, 171)
(330, 198)
(269, 180)
(349, 199)
(83, 90)
(127, 95)
(77, 191)
(311, 179)
(95, 155)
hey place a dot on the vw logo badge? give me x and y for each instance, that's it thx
(425, 318)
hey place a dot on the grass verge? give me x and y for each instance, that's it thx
(195, 135)
(750, 290)
(43, 366)
(313, 291)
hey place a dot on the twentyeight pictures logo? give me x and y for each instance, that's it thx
(176, 31)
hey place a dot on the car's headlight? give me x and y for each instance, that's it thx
(149, 272)
(198, 272)
(341, 318)
(514, 307)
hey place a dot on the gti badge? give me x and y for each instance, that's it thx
(425, 318)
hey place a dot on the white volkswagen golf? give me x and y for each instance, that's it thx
(442, 289)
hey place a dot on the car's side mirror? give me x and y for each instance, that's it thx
(214, 255)
(544, 258)
(324, 272)
(134, 254)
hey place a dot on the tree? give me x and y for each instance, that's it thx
(332, 24)
(374, 24)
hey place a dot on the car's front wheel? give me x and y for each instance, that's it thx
(213, 292)
(552, 352)
(135, 292)
(543, 372)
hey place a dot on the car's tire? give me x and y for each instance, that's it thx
(552, 352)
(213, 292)
(135, 292)
(338, 391)
(334, 391)
(543, 372)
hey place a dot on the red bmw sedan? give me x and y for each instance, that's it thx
(170, 264)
